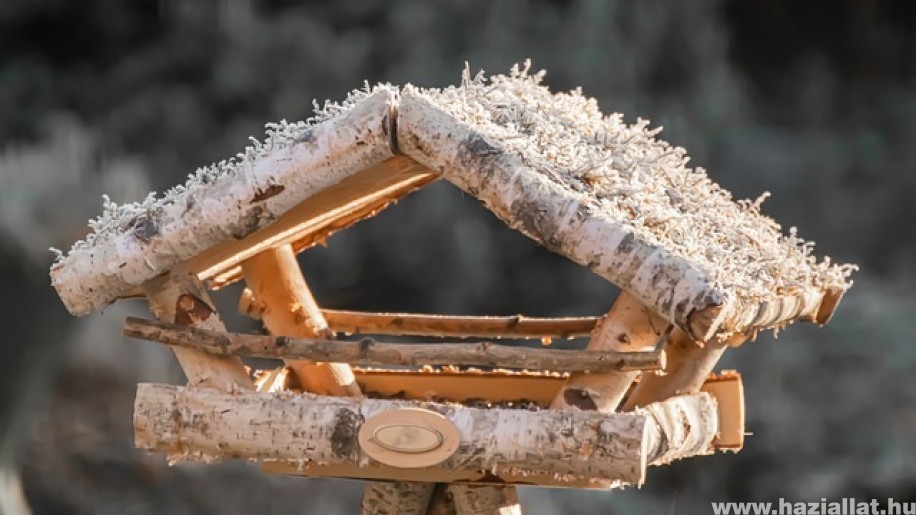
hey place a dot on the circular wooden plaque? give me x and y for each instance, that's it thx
(409, 438)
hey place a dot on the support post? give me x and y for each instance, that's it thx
(689, 364)
(278, 286)
(179, 297)
(276, 281)
(629, 326)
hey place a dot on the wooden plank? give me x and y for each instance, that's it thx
(465, 386)
(355, 198)
(370, 352)
(728, 390)
(277, 281)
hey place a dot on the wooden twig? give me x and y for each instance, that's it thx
(451, 326)
(371, 352)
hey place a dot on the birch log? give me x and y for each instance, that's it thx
(629, 327)
(559, 218)
(289, 308)
(208, 425)
(370, 352)
(550, 197)
(180, 297)
(228, 202)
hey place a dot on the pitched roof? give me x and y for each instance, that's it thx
(605, 194)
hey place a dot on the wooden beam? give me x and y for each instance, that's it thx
(180, 299)
(276, 280)
(630, 326)
(205, 425)
(370, 352)
(451, 326)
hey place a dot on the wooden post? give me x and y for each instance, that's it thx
(629, 326)
(181, 298)
(689, 364)
(276, 281)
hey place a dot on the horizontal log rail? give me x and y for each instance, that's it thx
(370, 352)
(307, 430)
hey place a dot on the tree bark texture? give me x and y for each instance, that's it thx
(206, 425)
(370, 352)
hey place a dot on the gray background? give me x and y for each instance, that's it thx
(814, 101)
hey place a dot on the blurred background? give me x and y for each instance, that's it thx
(814, 101)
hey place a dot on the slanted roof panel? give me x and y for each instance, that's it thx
(133, 243)
(613, 197)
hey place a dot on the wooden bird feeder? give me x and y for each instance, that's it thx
(699, 273)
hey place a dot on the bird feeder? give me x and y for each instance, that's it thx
(699, 273)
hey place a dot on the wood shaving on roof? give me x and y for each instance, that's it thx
(639, 181)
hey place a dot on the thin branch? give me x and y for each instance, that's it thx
(371, 352)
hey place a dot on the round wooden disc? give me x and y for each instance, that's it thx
(409, 438)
